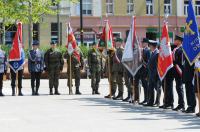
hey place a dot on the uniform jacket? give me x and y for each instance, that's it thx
(53, 59)
(117, 65)
(3, 62)
(152, 66)
(94, 60)
(35, 61)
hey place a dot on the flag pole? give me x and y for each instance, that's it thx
(70, 75)
(16, 82)
(198, 91)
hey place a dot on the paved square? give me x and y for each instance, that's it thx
(84, 113)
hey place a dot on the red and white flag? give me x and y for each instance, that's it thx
(132, 58)
(71, 43)
(165, 60)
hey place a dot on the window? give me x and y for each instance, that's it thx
(149, 7)
(87, 7)
(109, 7)
(54, 32)
(36, 31)
(185, 7)
(10, 33)
(197, 7)
(167, 6)
(130, 6)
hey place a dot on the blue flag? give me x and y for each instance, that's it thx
(191, 43)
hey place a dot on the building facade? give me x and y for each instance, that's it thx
(118, 12)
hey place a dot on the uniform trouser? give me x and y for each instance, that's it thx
(190, 94)
(13, 78)
(153, 84)
(35, 80)
(54, 75)
(168, 91)
(1, 80)
(128, 81)
(117, 81)
(76, 74)
(144, 81)
(95, 79)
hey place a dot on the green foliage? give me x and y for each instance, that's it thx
(84, 50)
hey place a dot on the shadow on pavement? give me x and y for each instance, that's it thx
(189, 120)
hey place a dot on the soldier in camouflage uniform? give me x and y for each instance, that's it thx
(35, 66)
(54, 65)
(94, 62)
(77, 64)
(3, 69)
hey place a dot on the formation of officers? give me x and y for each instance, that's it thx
(146, 77)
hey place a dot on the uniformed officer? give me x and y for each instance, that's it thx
(35, 66)
(54, 65)
(177, 72)
(118, 69)
(94, 62)
(154, 82)
(3, 68)
(19, 75)
(77, 63)
(188, 75)
(142, 72)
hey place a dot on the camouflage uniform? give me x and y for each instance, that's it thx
(77, 65)
(54, 65)
(117, 73)
(94, 62)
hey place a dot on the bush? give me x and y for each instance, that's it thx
(84, 50)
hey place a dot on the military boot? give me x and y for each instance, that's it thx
(1, 93)
(97, 90)
(13, 91)
(36, 92)
(20, 92)
(51, 91)
(33, 92)
(56, 91)
(119, 96)
(77, 91)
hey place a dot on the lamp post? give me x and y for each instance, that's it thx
(159, 25)
(81, 21)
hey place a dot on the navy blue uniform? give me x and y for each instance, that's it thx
(154, 82)
(35, 67)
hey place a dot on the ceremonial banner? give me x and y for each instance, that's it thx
(16, 58)
(165, 61)
(191, 43)
(132, 58)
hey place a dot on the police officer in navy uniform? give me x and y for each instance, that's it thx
(154, 82)
(3, 69)
(35, 66)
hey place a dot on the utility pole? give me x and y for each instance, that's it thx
(81, 21)
(58, 24)
(30, 26)
(159, 25)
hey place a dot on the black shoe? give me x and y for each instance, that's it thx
(179, 108)
(119, 97)
(109, 96)
(97, 92)
(126, 99)
(37, 94)
(1, 94)
(198, 114)
(57, 93)
(78, 93)
(143, 102)
(20, 94)
(148, 104)
(189, 110)
(93, 92)
(51, 91)
(166, 107)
